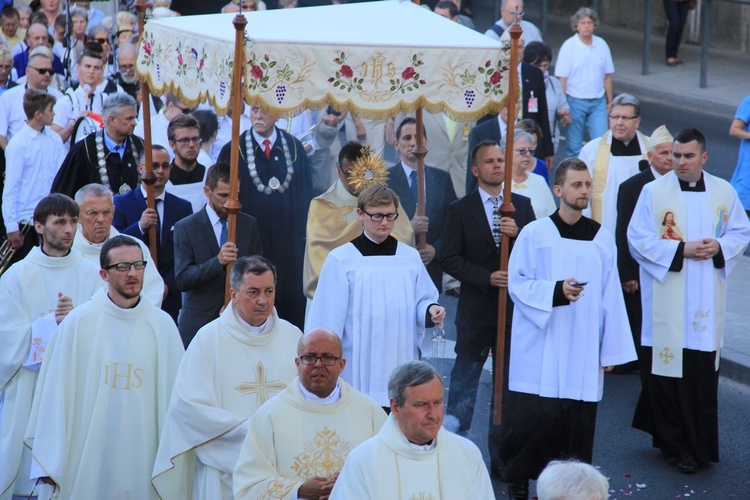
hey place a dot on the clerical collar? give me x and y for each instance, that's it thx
(259, 138)
(699, 186)
(619, 148)
(131, 307)
(584, 229)
(255, 330)
(334, 396)
(422, 447)
(41, 248)
(368, 248)
(113, 146)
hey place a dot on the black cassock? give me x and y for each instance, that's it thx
(282, 217)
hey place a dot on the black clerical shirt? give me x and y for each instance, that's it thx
(619, 148)
(177, 176)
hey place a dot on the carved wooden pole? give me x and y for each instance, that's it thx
(233, 204)
(506, 210)
(420, 151)
(148, 178)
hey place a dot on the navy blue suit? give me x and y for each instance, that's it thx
(439, 195)
(128, 210)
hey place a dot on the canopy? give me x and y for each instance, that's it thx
(375, 58)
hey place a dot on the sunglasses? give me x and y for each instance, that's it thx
(43, 71)
(100, 41)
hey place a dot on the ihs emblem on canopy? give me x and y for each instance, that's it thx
(369, 169)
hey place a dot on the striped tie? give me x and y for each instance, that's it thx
(413, 177)
(496, 235)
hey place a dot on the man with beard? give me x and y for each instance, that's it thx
(563, 341)
(125, 78)
(104, 387)
(276, 190)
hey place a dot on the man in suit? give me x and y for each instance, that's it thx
(201, 252)
(132, 217)
(659, 163)
(439, 194)
(471, 253)
(533, 106)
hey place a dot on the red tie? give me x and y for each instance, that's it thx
(267, 148)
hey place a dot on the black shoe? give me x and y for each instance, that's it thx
(519, 491)
(686, 463)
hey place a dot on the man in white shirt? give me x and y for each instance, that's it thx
(33, 157)
(511, 11)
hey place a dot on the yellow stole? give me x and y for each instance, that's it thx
(601, 164)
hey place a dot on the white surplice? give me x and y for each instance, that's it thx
(388, 466)
(153, 284)
(560, 352)
(226, 375)
(697, 308)
(28, 296)
(102, 399)
(377, 305)
(291, 439)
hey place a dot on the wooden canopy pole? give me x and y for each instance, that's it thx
(233, 204)
(148, 178)
(420, 151)
(506, 210)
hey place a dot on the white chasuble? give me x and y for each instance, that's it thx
(387, 466)
(102, 399)
(226, 375)
(377, 305)
(153, 284)
(684, 309)
(28, 296)
(291, 439)
(607, 173)
(560, 352)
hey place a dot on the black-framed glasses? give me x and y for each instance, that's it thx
(525, 151)
(187, 140)
(380, 217)
(127, 66)
(326, 360)
(100, 41)
(42, 71)
(164, 166)
(185, 111)
(124, 267)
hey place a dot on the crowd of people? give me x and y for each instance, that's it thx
(129, 373)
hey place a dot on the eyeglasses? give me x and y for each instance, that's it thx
(163, 166)
(326, 360)
(124, 267)
(186, 111)
(379, 217)
(617, 118)
(100, 41)
(42, 71)
(525, 151)
(127, 66)
(187, 140)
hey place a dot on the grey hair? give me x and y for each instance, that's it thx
(78, 12)
(518, 134)
(628, 100)
(408, 375)
(571, 480)
(92, 190)
(99, 28)
(254, 264)
(113, 103)
(126, 47)
(580, 14)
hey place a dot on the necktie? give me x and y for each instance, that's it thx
(413, 177)
(223, 236)
(158, 221)
(267, 148)
(496, 235)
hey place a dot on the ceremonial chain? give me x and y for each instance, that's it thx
(102, 160)
(273, 182)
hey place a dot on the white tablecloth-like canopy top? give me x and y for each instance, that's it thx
(375, 58)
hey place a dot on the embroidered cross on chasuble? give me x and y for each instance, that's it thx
(261, 386)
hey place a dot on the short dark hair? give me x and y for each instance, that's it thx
(537, 53)
(351, 151)
(377, 195)
(217, 172)
(409, 121)
(450, 6)
(208, 123)
(252, 264)
(93, 50)
(410, 374)
(116, 241)
(475, 151)
(56, 204)
(36, 100)
(182, 121)
(689, 135)
(568, 164)
(532, 127)
(10, 13)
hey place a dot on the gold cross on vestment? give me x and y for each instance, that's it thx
(260, 387)
(666, 355)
